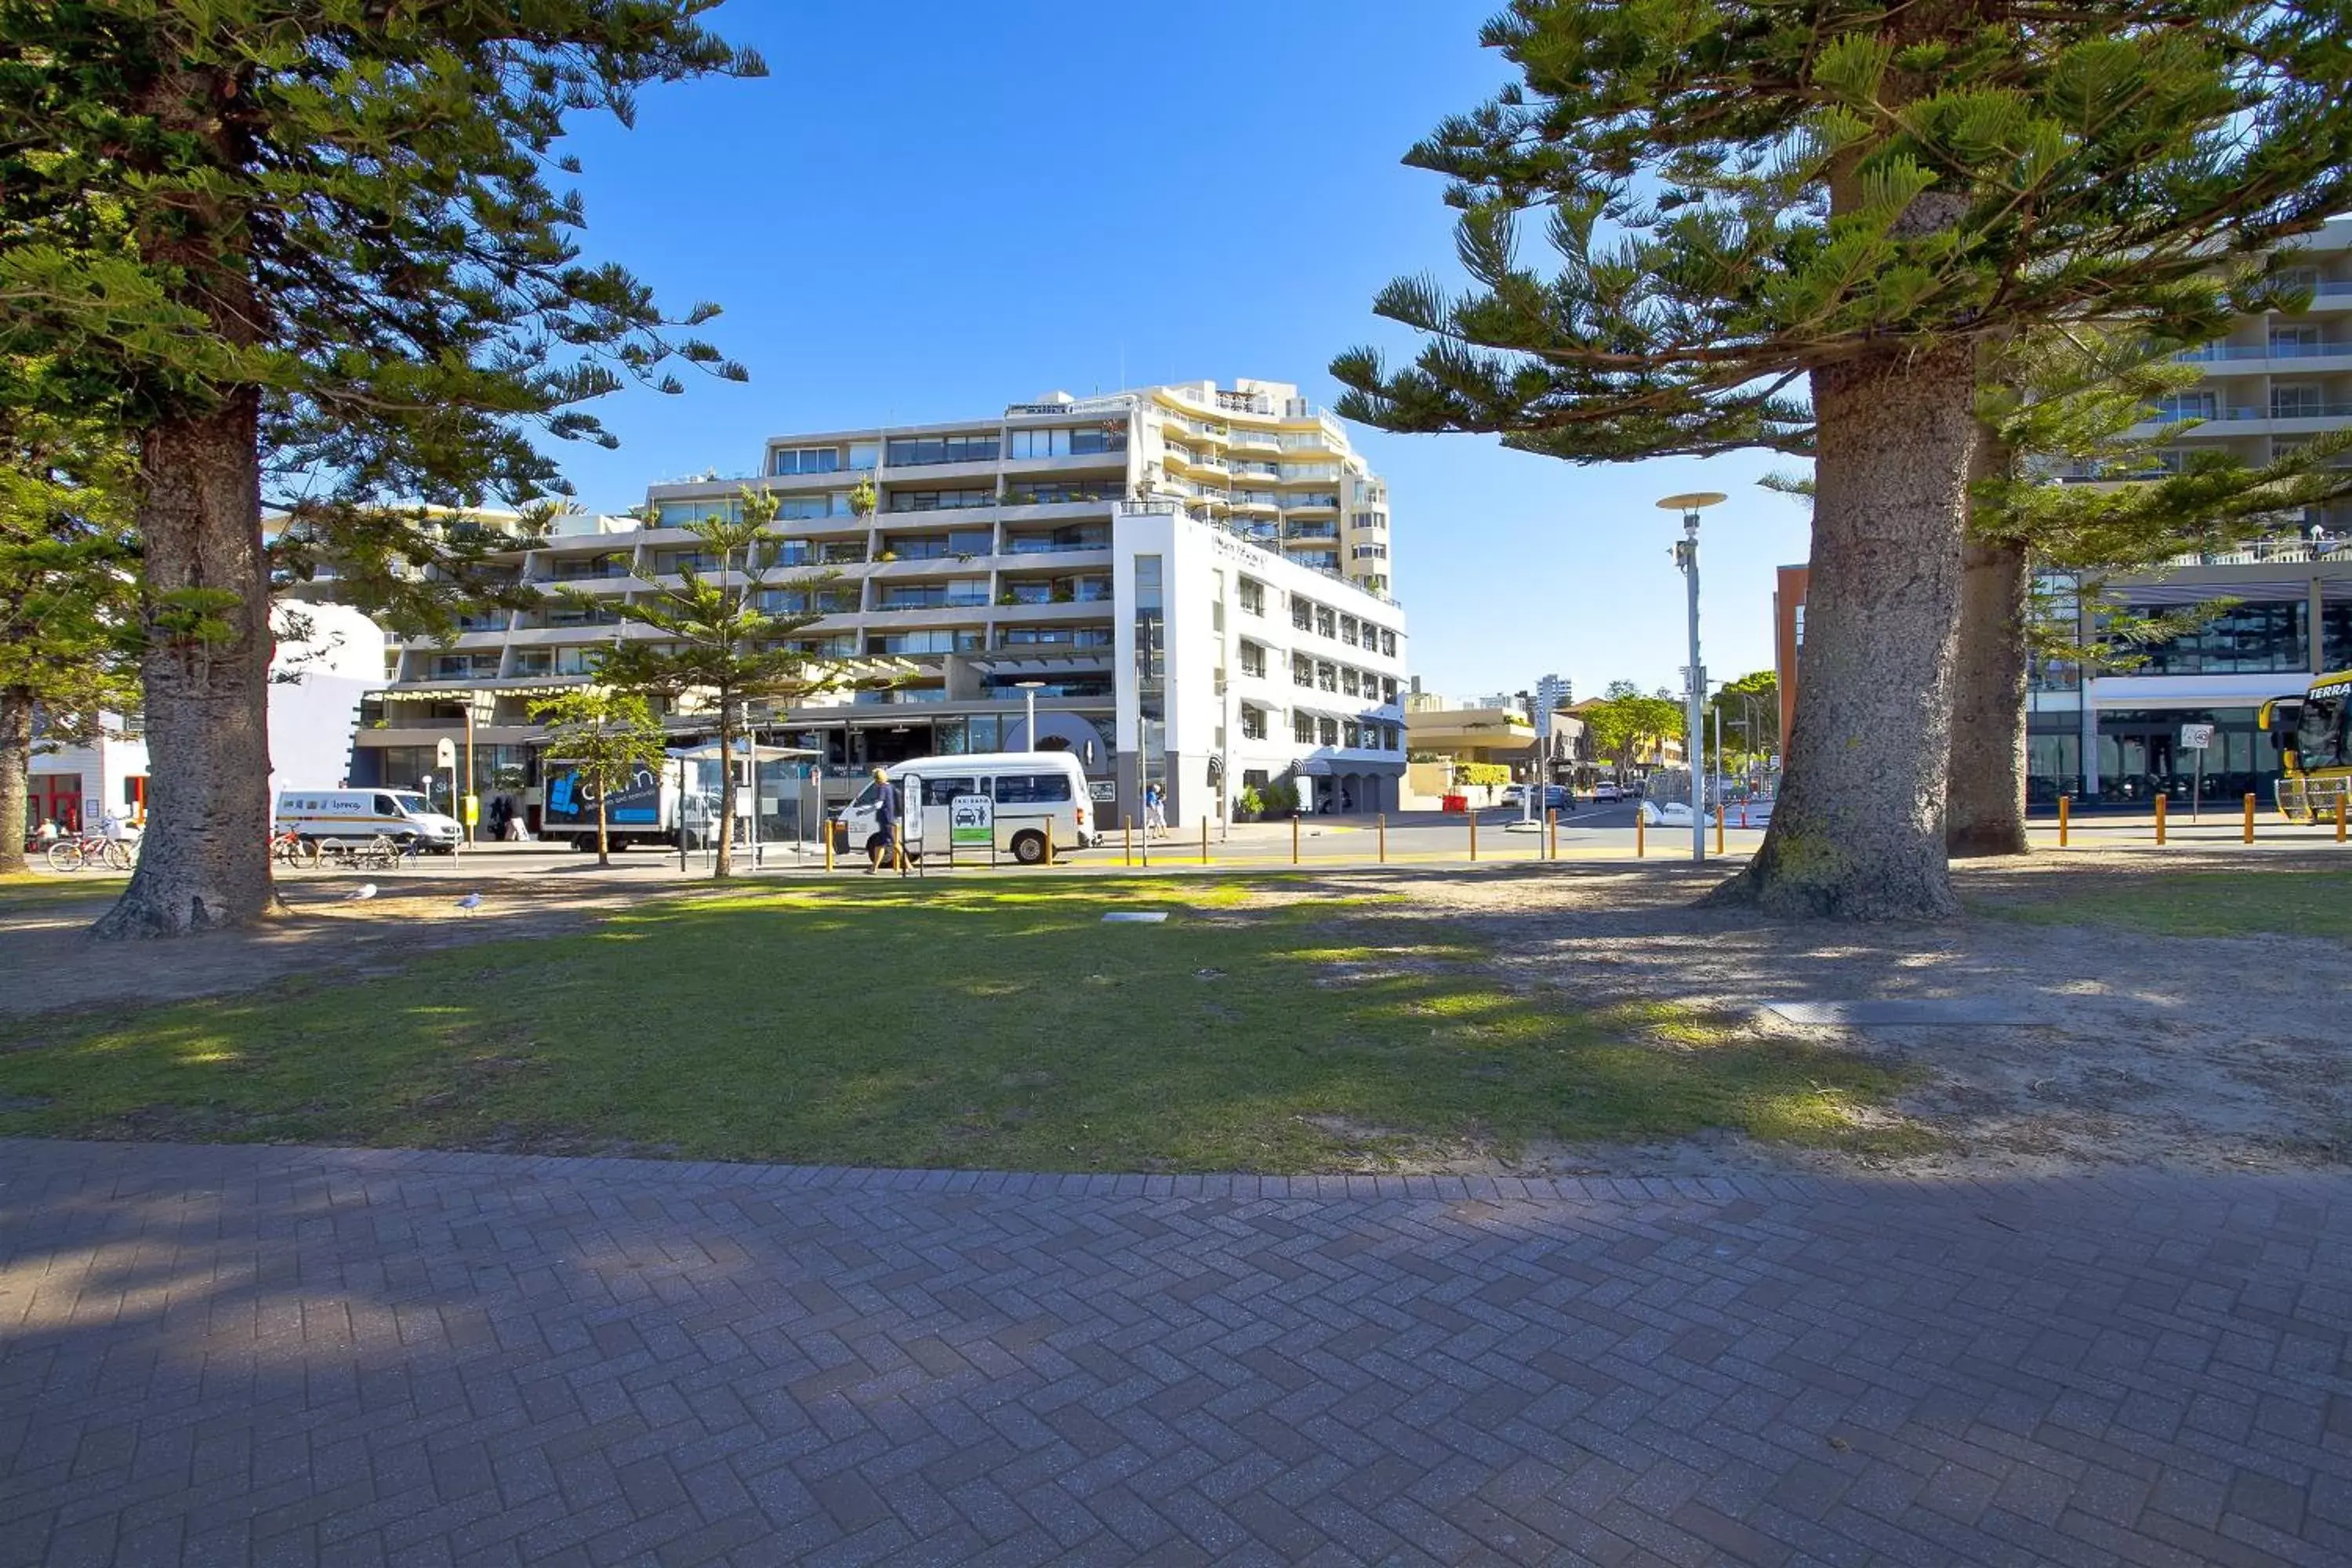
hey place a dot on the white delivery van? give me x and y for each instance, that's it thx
(319, 815)
(1029, 791)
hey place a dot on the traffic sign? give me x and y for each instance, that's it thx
(445, 752)
(2196, 737)
(971, 820)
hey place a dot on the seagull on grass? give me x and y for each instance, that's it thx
(470, 903)
(364, 891)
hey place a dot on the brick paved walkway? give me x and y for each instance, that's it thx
(266, 1355)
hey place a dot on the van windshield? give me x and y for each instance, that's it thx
(410, 805)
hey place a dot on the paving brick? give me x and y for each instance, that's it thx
(381, 1356)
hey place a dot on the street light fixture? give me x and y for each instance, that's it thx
(1029, 689)
(1689, 504)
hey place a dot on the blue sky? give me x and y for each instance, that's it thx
(929, 210)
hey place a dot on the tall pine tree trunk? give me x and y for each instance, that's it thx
(204, 860)
(1985, 812)
(15, 776)
(1858, 831)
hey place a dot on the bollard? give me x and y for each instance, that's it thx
(1382, 824)
(2159, 819)
(1473, 835)
(1205, 841)
(2061, 821)
(1718, 827)
(1552, 835)
(1127, 829)
(1294, 838)
(1640, 831)
(828, 846)
(1049, 841)
(2249, 819)
(2339, 819)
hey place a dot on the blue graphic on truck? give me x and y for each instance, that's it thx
(569, 804)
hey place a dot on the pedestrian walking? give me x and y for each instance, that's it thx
(887, 845)
(1155, 812)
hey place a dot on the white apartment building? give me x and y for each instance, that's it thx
(1008, 561)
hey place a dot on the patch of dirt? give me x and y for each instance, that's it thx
(2207, 1054)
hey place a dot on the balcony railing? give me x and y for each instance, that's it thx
(2211, 351)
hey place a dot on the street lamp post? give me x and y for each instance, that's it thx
(1694, 678)
(1029, 689)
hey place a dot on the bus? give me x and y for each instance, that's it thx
(2310, 732)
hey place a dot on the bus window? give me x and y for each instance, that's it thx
(2319, 741)
(943, 792)
(1032, 789)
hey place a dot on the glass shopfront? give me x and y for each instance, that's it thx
(2139, 756)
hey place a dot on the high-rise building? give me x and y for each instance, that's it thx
(1553, 692)
(1189, 582)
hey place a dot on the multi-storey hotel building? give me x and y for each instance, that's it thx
(1191, 584)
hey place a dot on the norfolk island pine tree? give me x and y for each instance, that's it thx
(1743, 198)
(714, 637)
(607, 736)
(68, 595)
(319, 236)
(2079, 395)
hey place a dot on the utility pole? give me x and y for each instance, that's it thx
(1694, 683)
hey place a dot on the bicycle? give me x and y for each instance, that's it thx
(87, 850)
(293, 850)
(376, 853)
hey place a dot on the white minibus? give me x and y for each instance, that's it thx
(1029, 791)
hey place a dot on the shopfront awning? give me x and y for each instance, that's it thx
(709, 752)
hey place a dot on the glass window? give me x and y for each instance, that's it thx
(1302, 613)
(1032, 789)
(2336, 634)
(943, 792)
(1329, 731)
(916, 451)
(805, 460)
(1302, 728)
(1327, 623)
(2246, 639)
(1388, 642)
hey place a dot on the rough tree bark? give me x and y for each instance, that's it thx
(1984, 813)
(204, 860)
(16, 777)
(1858, 831)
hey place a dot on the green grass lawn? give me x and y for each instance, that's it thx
(2204, 903)
(1002, 1025)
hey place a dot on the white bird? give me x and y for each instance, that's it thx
(364, 891)
(470, 903)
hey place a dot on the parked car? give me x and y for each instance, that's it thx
(1554, 798)
(1606, 792)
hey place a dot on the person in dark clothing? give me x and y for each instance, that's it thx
(886, 845)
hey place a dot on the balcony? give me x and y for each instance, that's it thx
(1245, 403)
(1057, 544)
(930, 599)
(607, 570)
